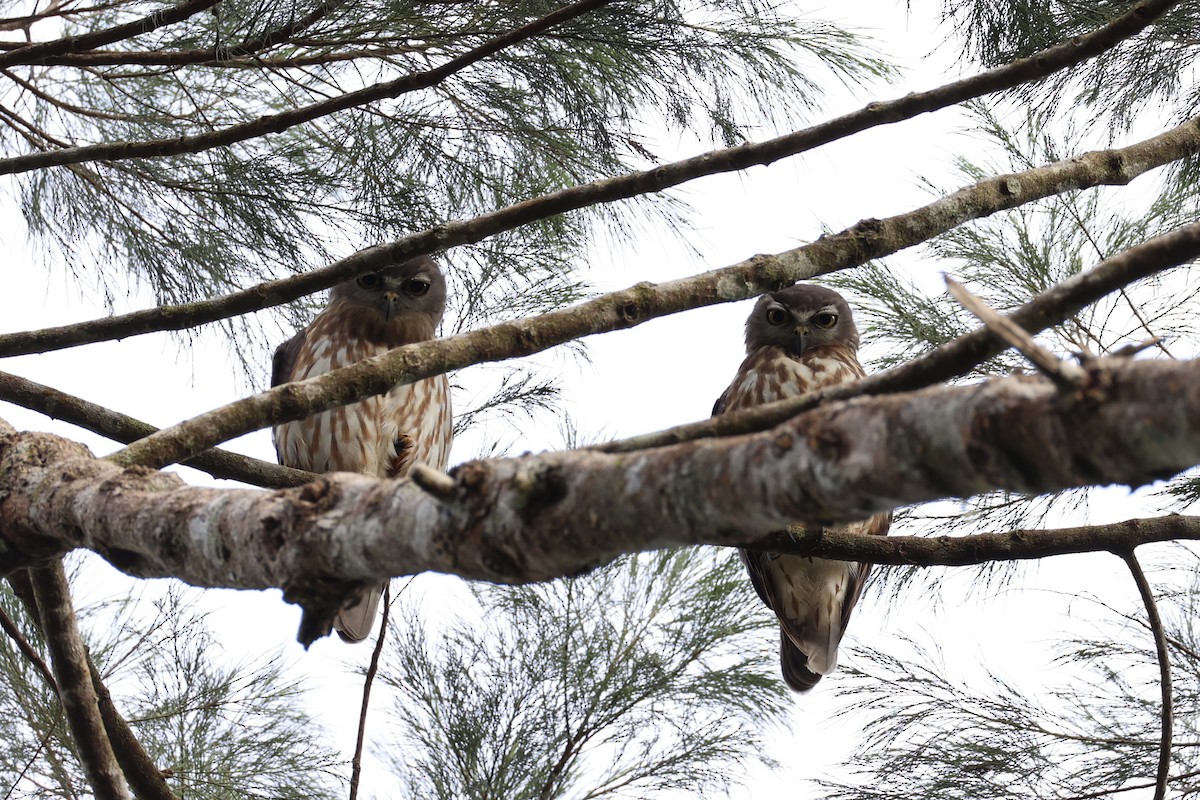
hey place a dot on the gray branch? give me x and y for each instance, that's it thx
(543, 516)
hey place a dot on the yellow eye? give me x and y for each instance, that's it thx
(825, 320)
(777, 316)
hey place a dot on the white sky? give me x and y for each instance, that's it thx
(660, 374)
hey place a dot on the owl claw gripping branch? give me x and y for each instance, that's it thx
(798, 340)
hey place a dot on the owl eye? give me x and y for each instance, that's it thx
(777, 316)
(417, 287)
(368, 281)
(825, 320)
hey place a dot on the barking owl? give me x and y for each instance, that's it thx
(382, 436)
(798, 340)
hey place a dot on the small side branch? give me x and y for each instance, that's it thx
(125, 429)
(80, 703)
(1065, 375)
(434, 481)
(1164, 668)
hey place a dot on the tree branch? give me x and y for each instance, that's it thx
(88, 41)
(277, 123)
(956, 357)
(368, 680)
(31, 654)
(142, 773)
(1164, 666)
(121, 428)
(626, 309)
(1011, 193)
(543, 516)
(75, 689)
(979, 548)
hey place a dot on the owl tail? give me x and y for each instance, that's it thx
(355, 623)
(795, 665)
(810, 650)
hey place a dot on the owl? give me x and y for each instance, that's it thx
(798, 340)
(381, 436)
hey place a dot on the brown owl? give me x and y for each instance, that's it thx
(798, 340)
(384, 435)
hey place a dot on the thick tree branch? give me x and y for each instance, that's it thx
(69, 658)
(864, 241)
(1011, 192)
(1164, 665)
(121, 428)
(553, 514)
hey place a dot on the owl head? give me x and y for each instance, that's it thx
(412, 289)
(799, 318)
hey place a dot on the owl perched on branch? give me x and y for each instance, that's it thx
(798, 340)
(383, 435)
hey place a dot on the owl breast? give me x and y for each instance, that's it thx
(382, 435)
(771, 373)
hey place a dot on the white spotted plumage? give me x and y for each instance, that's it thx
(799, 340)
(384, 435)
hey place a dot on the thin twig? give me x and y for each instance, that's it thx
(1008, 192)
(368, 680)
(32, 760)
(1064, 374)
(1131, 788)
(1131, 350)
(27, 650)
(1164, 668)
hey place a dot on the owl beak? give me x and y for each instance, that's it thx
(801, 332)
(390, 301)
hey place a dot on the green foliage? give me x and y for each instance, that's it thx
(1149, 70)
(930, 735)
(657, 672)
(579, 102)
(224, 730)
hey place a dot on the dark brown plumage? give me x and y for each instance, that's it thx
(797, 340)
(383, 435)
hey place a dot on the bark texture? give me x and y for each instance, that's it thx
(544, 516)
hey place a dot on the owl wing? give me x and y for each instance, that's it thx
(283, 365)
